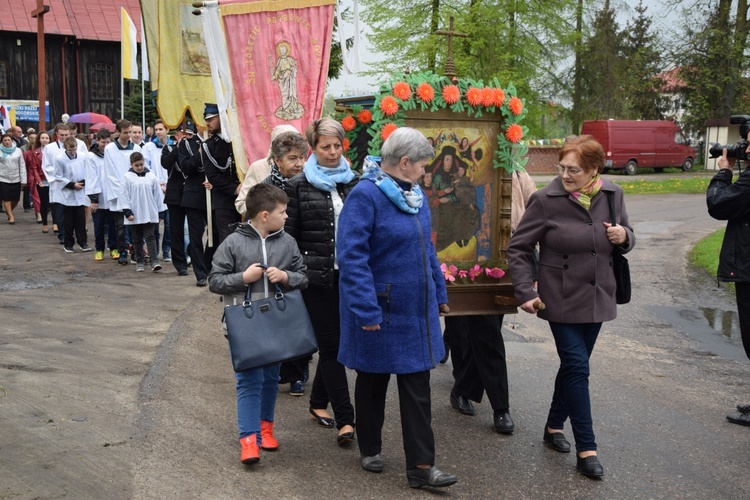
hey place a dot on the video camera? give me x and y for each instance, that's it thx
(733, 150)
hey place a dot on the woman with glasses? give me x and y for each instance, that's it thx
(570, 219)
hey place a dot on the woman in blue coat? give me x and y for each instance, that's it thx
(392, 292)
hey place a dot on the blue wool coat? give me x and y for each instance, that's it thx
(389, 275)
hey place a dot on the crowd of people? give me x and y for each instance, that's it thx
(360, 246)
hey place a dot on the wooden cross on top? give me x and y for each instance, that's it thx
(450, 67)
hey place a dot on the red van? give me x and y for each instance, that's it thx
(632, 144)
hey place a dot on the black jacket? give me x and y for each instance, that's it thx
(188, 157)
(731, 202)
(223, 175)
(175, 177)
(311, 223)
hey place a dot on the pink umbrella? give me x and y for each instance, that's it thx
(98, 126)
(89, 118)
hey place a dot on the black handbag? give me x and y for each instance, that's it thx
(620, 264)
(268, 331)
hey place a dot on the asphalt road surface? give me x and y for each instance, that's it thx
(116, 384)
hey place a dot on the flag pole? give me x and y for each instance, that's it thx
(143, 102)
(122, 96)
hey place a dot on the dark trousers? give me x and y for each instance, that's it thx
(574, 343)
(742, 290)
(416, 415)
(119, 219)
(58, 218)
(103, 219)
(478, 357)
(294, 370)
(43, 207)
(177, 236)
(196, 219)
(329, 384)
(223, 220)
(75, 223)
(26, 197)
(146, 232)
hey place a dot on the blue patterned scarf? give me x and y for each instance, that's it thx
(325, 178)
(407, 201)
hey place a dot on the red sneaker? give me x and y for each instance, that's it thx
(267, 441)
(250, 452)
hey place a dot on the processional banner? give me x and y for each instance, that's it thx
(278, 54)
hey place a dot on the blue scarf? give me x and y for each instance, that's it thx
(407, 201)
(325, 178)
(7, 151)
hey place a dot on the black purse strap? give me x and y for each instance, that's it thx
(278, 295)
(611, 198)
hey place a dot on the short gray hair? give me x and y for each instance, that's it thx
(321, 128)
(405, 141)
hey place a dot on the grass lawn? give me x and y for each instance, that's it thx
(689, 185)
(705, 254)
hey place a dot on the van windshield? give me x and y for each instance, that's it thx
(680, 139)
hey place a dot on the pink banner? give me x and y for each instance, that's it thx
(279, 64)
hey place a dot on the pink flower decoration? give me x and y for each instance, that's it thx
(462, 273)
(494, 272)
(474, 272)
(449, 273)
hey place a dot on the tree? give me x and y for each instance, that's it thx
(133, 103)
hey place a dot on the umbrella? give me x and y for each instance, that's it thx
(98, 126)
(89, 118)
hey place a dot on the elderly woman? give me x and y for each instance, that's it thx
(390, 303)
(316, 197)
(570, 218)
(12, 175)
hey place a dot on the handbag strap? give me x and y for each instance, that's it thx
(611, 198)
(278, 295)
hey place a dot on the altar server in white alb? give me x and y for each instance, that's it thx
(70, 175)
(141, 198)
(116, 165)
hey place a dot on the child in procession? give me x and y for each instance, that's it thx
(70, 175)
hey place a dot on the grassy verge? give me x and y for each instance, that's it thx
(692, 185)
(705, 254)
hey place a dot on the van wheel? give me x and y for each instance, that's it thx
(688, 165)
(631, 167)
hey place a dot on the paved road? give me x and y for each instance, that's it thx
(154, 384)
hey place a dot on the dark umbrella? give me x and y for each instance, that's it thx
(89, 118)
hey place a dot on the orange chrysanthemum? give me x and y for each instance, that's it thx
(388, 129)
(498, 97)
(402, 90)
(345, 144)
(488, 96)
(364, 117)
(451, 94)
(474, 96)
(349, 123)
(515, 105)
(388, 106)
(426, 92)
(514, 133)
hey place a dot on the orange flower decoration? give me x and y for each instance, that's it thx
(425, 92)
(364, 117)
(451, 94)
(474, 96)
(402, 90)
(488, 96)
(516, 105)
(349, 123)
(345, 144)
(498, 97)
(514, 133)
(388, 129)
(388, 106)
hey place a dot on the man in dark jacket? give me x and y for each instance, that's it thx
(731, 202)
(194, 201)
(173, 200)
(217, 159)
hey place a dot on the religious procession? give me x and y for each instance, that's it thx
(338, 242)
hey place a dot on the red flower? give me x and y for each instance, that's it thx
(364, 117)
(474, 96)
(514, 133)
(451, 94)
(388, 129)
(345, 144)
(498, 96)
(488, 96)
(402, 90)
(349, 123)
(425, 92)
(388, 106)
(516, 105)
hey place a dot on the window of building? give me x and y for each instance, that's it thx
(101, 79)
(3, 79)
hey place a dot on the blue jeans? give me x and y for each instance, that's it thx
(256, 398)
(574, 342)
(104, 219)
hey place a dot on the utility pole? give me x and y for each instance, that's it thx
(39, 12)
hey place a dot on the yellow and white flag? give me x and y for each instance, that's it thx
(128, 47)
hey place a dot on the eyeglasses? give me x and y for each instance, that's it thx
(571, 170)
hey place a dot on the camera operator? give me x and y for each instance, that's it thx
(731, 202)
